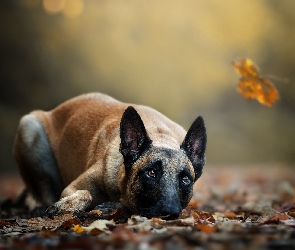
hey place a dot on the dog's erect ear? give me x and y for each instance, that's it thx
(134, 138)
(194, 145)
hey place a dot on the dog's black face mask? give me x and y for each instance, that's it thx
(164, 185)
(160, 180)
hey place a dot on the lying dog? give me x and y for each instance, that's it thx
(93, 148)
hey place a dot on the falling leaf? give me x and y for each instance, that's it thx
(252, 85)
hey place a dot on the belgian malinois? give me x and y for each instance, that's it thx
(93, 148)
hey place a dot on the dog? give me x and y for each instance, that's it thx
(92, 149)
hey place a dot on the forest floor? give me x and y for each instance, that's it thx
(232, 208)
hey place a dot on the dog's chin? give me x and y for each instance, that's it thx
(153, 213)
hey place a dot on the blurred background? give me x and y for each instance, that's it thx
(175, 56)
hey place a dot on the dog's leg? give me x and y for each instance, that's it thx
(83, 193)
(36, 161)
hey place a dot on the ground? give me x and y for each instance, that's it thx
(251, 207)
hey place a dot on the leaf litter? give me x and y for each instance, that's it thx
(231, 208)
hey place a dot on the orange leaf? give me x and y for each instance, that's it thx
(157, 220)
(202, 217)
(229, 215)
(253, 86)
(292, 212)
(78, 229)
(273, 218)
(206, 229)
(96, 212)
(95, 231)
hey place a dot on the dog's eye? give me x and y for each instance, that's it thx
(151, 173)
(186, 180)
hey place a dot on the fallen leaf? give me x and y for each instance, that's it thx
(290, 222)
(102, 225)
(291, 213)
(78, 229)
(70, 222)
(46, 233)
(252, 85)
(96, 231)
(115, 214)
(206, 228)
(7, 223)
(123, 234)
(285, 206)
(273, 218)
(227, 214)
(96, 212)
(139, 224)
(185, 222)
(203, 217)
(190, 221)
(39, 223)
(157, 220)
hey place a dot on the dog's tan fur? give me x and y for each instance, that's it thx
(84, 137)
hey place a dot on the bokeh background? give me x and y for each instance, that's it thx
(175, 56)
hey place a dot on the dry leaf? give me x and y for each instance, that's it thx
(290, 222)
(253, 86)
(115, 214)
(101, 225)
(70, 222)
(273, 218)
(230, 215)
(95, 231)
(292, 213)
(206, 228)
(96, 212)
(157, 220)
(78, 229)
(203, 218)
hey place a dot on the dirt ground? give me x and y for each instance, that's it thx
(251, 207)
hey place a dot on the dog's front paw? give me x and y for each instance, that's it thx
(78, 201)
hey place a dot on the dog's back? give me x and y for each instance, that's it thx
(82, 130)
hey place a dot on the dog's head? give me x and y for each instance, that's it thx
(158, 181)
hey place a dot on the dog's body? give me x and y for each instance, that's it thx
(93, 149)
